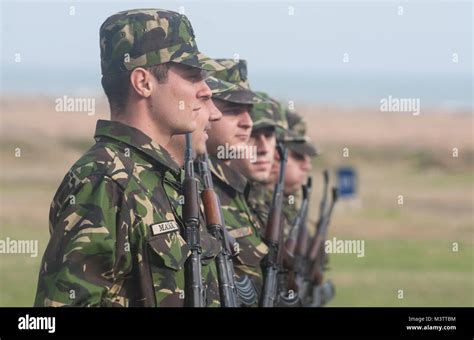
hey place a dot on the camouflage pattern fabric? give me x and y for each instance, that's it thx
(230, 186)
(218, 86)
(289, 213)
(235, 73)
(147, 37)
(115, 225)
(268, 113)
(295, 137)
(259, 200)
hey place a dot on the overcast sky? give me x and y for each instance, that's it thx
(313, 39)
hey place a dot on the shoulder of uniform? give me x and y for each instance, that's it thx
(227, 175)
(104, 160)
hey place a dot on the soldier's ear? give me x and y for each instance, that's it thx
(141, 82)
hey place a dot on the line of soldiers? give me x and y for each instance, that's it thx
(162, 211)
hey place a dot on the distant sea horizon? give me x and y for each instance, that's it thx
(447, 91)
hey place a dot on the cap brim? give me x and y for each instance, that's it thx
(219, 86)
(264, 124)
(303, 148)
(292, 137)
(240, 95)
(199, 60)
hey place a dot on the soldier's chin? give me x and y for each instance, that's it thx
(190, 127)
(200, 148)
(260, 176)
(291, 189)
(237, 143)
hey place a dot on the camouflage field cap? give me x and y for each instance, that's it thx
(235, 72)
(219, 86)
(147, 37)
(295, 137)
(268, 113)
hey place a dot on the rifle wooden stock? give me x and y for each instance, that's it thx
(288, 257)
(213, 213)
(302, 244)
(316, 270)
(211, 210)
(316, 247)
(272, 232)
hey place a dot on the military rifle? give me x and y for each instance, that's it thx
(317, 258)
(194, 289)
(216, 226)
(272, 237)
(296, 246)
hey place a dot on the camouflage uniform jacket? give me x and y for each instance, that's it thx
(289, 212)
(115, 225)
(259, 199)
(230, 186)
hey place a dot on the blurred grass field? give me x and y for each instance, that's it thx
(407, 246)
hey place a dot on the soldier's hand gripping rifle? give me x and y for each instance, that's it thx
(296, 247)
(322, 293)
(194, 290)
(272, 237)
(216, 226)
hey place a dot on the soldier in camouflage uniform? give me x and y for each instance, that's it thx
(233, 131)
(268, 121)
(298, 166)
(297, 169)
(115, 220)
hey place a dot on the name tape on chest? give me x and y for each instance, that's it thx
(241, 232)
(163, 227)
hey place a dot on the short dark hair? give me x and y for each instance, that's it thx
(117, 86)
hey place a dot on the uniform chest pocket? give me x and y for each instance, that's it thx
(251, 246)
(168, 250)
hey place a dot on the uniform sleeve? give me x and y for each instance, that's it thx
(89, 254)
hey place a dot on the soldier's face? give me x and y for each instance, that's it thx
(177, 144)
(275, 170)
(264, 141)
(177, 103)
(233, 129)
(200, 136)
(297, 169)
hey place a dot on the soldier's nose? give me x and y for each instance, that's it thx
(214, 113)
(262, 144)
(306, 165)
(204, 91)
(245, 121)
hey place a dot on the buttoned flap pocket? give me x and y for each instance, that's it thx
(168, 247)
(251, 247)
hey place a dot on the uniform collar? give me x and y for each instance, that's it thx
(107, 129)
(227, 175)
(256, 191)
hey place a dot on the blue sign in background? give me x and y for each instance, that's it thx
(346, 181)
